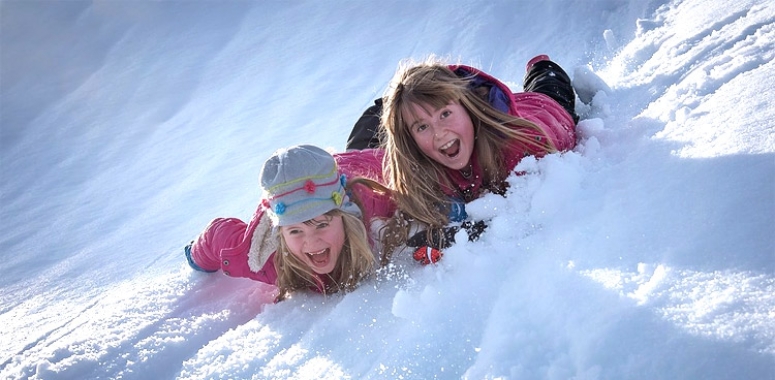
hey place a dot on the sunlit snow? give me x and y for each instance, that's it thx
(647, 252)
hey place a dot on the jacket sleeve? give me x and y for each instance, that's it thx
(220, 234)
(539, 108)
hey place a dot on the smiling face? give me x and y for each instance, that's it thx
(316, 242)
(445, 135)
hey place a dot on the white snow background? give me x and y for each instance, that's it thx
(648, 252)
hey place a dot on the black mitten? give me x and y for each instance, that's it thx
(474, 229)
(441, 238)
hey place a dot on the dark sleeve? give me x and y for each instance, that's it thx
(365, 133)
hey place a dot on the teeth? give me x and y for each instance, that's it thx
(317, 253)
(447, 145)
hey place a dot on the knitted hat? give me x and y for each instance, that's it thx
(301, 183)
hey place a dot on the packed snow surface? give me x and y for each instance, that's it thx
(647, 252)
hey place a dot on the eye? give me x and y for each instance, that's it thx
(445, 114)
(291, 231)
(322, 225)
(420, 128)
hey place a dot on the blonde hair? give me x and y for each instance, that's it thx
(415, 179)
(355, 263)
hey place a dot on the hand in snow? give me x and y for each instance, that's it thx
(444, 237)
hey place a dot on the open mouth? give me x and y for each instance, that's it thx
(319, 257)
(451, 149)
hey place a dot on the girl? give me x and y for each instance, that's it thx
(306, 232)
(453, 132)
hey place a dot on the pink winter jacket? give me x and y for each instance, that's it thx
(247, 250)
(533, 106)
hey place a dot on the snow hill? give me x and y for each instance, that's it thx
(648, 252)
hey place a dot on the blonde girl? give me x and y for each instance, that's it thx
(310, 230)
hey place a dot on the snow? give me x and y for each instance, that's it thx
(648, 252)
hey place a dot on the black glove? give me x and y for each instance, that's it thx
(441, 238)
(474, 229)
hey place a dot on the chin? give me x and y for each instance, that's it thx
(460, 166)
(323, 270)
(317, 270)
(455, 165)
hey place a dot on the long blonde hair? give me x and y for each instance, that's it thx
(416, 180)
(355, 263)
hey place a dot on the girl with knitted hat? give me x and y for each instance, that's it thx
(453, 132)
(310, 230)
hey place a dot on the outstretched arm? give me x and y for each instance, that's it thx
(205, 251)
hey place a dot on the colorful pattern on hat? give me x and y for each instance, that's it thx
(301, 183)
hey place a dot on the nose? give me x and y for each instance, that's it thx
(438, 130)
(311, 239)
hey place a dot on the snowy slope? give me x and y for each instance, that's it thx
(646, 253)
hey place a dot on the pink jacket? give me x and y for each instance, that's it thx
(247, 250)
(533, 106)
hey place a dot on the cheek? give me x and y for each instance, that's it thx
(335, 236)
(298, 255)
(295, 250)
(464, 126)
(469, 134)
(294, 245)
(424, 143)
